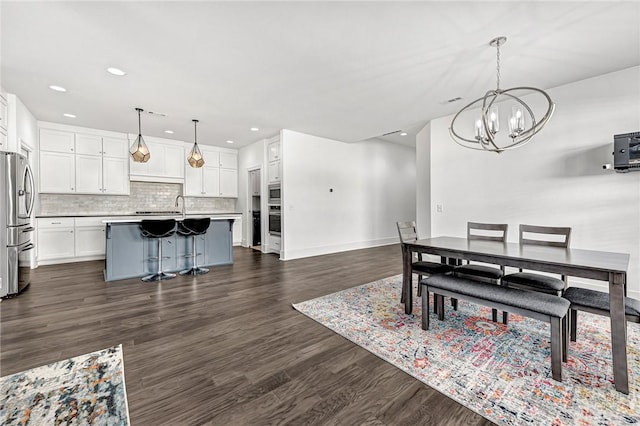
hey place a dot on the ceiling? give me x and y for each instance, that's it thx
(343, 70)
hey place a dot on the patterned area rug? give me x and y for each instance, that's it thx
(501, 372)
(85, 390)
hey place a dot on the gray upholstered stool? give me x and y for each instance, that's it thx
(193, 228)
(158, 229)
(595, 302)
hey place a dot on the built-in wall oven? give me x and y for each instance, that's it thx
(274, 193)
(275, 220)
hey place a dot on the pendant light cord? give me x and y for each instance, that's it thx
(498, 66)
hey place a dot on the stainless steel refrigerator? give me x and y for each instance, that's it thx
(16, 232)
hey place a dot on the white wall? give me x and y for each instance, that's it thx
(251, 157)
(373, 186)
(423, 182)
(556, 179)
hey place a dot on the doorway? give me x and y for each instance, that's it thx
(255, 233)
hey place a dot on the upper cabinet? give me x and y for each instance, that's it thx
(4, 118)
(166, 162)
(273, 155)
(79, 163)
(217, 178)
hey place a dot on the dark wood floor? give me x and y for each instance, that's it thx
(226, 347)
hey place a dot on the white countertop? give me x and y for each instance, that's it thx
(140, 218)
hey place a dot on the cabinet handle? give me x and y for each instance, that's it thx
(71, 232)
(72, 188)
(71, 149)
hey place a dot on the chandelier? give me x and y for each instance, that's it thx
(522, 123)
(139, 150)
(195, 158)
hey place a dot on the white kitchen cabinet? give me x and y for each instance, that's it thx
(228, 183)
(80, 163)
(57, 172)
(274, 160)
(229, 160)
(274, 172)
(210, 181)
(56, 239)
(89, 237)
(237, 231)
(166, 163)
(67, 239)
(3, 123)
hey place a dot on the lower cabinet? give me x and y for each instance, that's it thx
(67, 239)
(130, 255)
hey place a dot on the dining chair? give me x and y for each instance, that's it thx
(407, 232)
(549, 236)
(489, 274)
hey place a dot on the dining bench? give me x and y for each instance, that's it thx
(541, 306)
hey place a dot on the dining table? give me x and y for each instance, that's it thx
(572, 262)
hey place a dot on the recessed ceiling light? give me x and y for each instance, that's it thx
(57, 88)
(169, 131)
(69, 115)
(229, 141)
(116, 71)
(403, 134)
(254, 129)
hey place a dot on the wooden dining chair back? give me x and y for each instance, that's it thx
(549, 236)
(489, 274)
(408, 233)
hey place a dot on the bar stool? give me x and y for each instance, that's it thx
(193, 228)
(158, 229)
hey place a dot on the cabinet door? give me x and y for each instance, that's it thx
(88, 174)
(218, 243)
(88, 144)
(210, 181)
(89, 241)
(274, 172)
(237, 231)
(193, 182)
(273, 151)
(228, 160)
(156, 163)
(56, 140)
(114, 147)
(56, 243)
(115, 176)
(211, 156)
(174, 160)
(228, 183)
(57, 172)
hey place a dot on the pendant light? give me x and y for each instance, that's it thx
(139, 150)
(519, 127)
(195, 156)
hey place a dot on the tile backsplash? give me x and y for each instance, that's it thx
(146, 196)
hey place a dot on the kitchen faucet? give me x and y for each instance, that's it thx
(184, 211)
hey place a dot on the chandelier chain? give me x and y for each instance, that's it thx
(498, 66)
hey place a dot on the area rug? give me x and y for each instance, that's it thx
(501, 372)
(85, 390)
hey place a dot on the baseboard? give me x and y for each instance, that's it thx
(68, 260)
(317, 251)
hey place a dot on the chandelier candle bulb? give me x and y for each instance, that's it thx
(494, 124)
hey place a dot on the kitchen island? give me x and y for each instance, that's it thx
(130, 255)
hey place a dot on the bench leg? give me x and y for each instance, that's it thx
(573, 323)
(425, 309)
(505, 317)
(494, 315)
(440, 299)
(419, 285)
(565, 338)
(454, 304)
(556, 349)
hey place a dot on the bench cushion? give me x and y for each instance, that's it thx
(480, 271)
(599, 300)
(430, 267)
(542, 303)
(535, 281)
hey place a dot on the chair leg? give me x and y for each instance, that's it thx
(505, 317)
(573, 323)
(419, 286)
(494, 315)
(454, 304)
(556, 349)
(425, 309)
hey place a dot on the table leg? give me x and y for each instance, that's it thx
(618, 331)
(406, 279)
